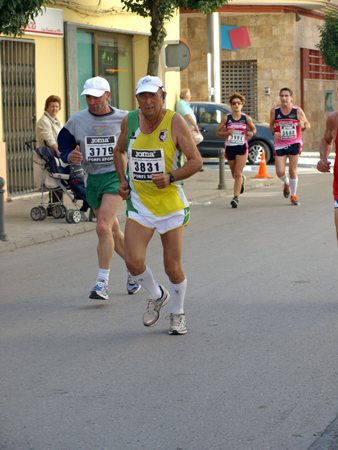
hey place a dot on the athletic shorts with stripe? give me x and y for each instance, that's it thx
(162, 224)
(99, 184)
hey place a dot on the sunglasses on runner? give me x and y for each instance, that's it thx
(236, 103)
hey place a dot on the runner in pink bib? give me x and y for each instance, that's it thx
(237, 128)
(287, 121)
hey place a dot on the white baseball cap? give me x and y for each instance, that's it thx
(148, 84)
(96, 87)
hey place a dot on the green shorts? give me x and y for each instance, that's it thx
(99, 184)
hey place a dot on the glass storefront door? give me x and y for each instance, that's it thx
(108, 55)
(85, 62)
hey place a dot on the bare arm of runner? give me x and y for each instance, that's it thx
(251, 126)
(276, 135)
(120, 160)
(304, 124)
(181, 137)
(220, 132)
(326, 142)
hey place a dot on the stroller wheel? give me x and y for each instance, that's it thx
(69, 215)
(57, 212)
(36, 213)
(91, 215)
(64, 209)
(76, 216)
(43, 212)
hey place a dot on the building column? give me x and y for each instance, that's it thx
(214, 57)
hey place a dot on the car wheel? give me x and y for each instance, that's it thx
(255, 152)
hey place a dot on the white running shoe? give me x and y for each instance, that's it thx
(178, 324)
(152, 314)
(243, 184)
(132, 285)
(100, 290)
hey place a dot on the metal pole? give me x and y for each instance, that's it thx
(216, 56)
(209, 60)
(3, 236)
(221, 153)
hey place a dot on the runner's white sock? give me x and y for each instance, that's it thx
(147, 281)
(285, 179)
(177, 292)
(293, 185)
(103, 275)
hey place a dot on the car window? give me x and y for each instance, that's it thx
(209, 114)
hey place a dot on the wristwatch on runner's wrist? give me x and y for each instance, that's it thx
(171, 178)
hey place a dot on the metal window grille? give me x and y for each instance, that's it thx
(317, 69)
(18, 111)
(241, 77)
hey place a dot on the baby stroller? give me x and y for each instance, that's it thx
(52, 175)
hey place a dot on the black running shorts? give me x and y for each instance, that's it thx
(231, 151)
(293, 149)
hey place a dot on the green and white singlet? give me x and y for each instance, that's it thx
(147, 155)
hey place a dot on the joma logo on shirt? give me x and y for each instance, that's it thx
(99, 140)
(144, 154)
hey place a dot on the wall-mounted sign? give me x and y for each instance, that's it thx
(49, 23)
(178, 55)
(233, 38)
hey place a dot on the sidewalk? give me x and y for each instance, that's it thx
(22, 231)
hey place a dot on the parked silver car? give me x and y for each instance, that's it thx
(209, 116)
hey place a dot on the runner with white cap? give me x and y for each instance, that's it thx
(153, 139)
(89, 138)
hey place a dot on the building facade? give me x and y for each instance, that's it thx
(281, 52)
(65, 46)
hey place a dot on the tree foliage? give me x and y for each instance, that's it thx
(160, 12)
(15, 14)
(328, 44)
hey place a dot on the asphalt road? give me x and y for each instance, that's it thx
(256, 371)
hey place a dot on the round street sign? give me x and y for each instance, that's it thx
(178, 55)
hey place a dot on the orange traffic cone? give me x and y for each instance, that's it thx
(263, 170)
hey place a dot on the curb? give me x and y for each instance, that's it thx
(68, 230)
(45, 237)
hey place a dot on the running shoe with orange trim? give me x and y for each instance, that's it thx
(286, 190)
(294, 200)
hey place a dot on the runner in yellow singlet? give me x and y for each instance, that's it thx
(153, 139)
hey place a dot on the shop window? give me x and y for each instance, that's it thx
(328, 100)
(85, 62)
(108, 55)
